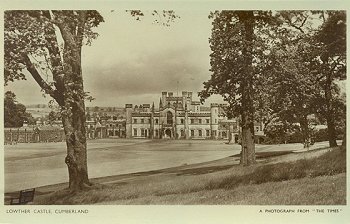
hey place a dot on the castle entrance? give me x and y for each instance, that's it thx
(168, 133)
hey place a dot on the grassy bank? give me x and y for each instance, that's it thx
(317, 180)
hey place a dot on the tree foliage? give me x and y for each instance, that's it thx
(239, 44)
(278, 65)
(330, 66)
(15, 113)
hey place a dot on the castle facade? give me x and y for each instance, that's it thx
(179, 117)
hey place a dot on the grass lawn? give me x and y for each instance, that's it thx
(309, 178)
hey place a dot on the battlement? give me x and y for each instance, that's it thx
(128, 105)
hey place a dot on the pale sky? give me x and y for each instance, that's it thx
(134, 61)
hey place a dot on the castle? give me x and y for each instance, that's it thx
(179, 117)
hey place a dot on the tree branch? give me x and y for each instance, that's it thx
(44, 85)
(54, 53)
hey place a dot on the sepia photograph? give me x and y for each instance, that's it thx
(174, 107)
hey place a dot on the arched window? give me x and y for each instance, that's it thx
(169, 118)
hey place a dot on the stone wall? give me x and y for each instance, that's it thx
(26, 135)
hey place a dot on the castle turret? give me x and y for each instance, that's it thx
(152, 122)
(184, 98)
(164, 94)
(160, 103)
(187, 129)
(189, 99)
(214, 120)
(146, 107)
(128, 131)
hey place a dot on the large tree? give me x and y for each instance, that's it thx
(239, 49)
(32, 43)
(48, 44)
(307, 61)
(292, 89)
(329, 65)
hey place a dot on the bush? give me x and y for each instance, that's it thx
(321, 135)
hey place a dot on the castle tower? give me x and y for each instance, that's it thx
(187, 129)
(128, 131)
(152, 122)
(146, 107)
(164, 95)
(160, 103)
(184, 98)
(214, 120)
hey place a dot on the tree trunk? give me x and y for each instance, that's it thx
(332, 138)
(73, 113)
(343, 144)
(231, 138)
(304, 126)
(76, 159)
(247, 113)
(248, 146)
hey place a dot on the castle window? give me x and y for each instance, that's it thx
(192, 121)
(257, 128)
(156, 133)
(200, 121)
(224, 134)
(135, 121)
(156, 121)
(207, 133)
(135, 132)
(208, 121)
(169, 117)
(192, 132)
(142, 121)
(182, 121)
(200, 133)
(182, 133)
(142, 132)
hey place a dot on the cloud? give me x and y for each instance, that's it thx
(150, 73)
(133, 62)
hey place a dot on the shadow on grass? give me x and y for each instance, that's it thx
(203, 170)
(264, 155)
(328, 164)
